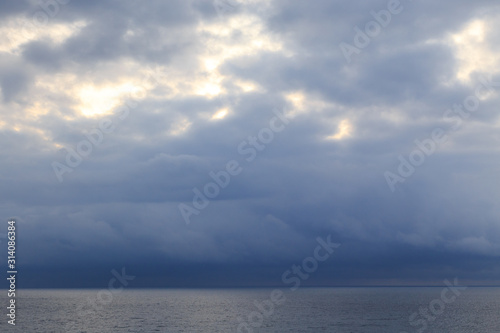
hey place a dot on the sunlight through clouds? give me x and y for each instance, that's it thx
(17, 31)
(304, 104)
(221, 46)
(344, 130)
(98, 95)
(473, 51)
(99, 100)
(220, 114)
(180, 127)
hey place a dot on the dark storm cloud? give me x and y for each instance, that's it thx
(119, 206)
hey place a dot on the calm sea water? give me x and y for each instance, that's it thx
(351, 310)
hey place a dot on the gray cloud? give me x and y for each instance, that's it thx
(119, 206)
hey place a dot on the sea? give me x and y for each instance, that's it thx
(346, 310)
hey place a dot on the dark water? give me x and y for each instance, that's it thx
(368, 310)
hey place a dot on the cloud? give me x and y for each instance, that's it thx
(183, 86)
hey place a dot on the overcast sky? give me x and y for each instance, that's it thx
(375, 122)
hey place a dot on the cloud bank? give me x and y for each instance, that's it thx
(115, 113)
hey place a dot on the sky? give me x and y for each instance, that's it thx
(210, 143)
